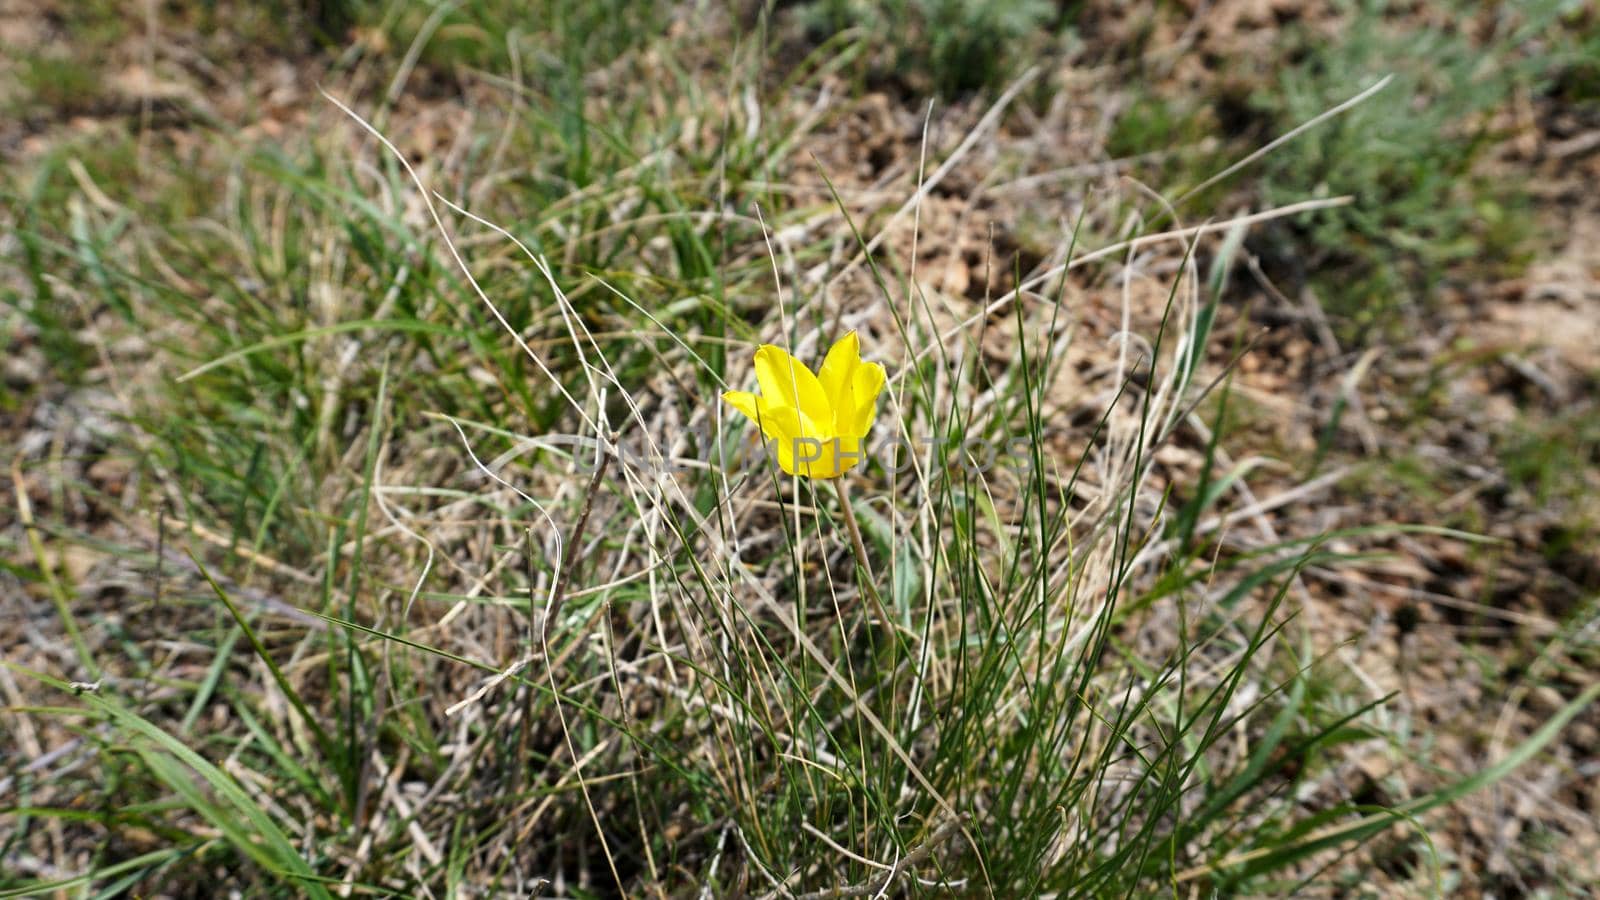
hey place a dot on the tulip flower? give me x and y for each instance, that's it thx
(817, 421)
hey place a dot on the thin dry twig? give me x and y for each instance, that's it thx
(558, 594)
(903, 865)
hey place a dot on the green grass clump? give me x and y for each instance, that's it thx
(952, 47)
(388, 610)
(65, 74)
(1410, 156)
(1554, 461)
(546, 40)
(1428, 210)
(63, 84)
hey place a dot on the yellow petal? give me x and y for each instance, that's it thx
(743, 401)
(844, 357)
(818, 457)
(866, 383)
(787, 382)
(799, 444)
(775, 420)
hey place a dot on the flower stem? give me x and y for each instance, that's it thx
(869, 583)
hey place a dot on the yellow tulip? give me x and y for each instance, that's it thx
(817, 420)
